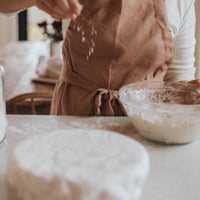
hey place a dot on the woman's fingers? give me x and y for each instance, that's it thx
(48, 10)
(60, 8)
(75, 7)
(64, 6)
(51, 8)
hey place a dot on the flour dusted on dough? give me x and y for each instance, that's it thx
(78, 164)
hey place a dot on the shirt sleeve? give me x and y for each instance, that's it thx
(183, 66)
(197, 50)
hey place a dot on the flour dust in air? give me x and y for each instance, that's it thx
(88, 38)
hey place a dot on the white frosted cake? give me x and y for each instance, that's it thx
(78, 164)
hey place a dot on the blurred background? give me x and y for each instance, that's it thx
(22, 26)
(30, 52)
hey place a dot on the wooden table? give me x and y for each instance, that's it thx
(175, 169)
(20, 62)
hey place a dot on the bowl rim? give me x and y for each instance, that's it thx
(184, 112)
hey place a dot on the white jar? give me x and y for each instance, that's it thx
(3, 119)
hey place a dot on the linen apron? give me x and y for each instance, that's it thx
(131, 42)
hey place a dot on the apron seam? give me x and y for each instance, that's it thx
(161, 28)
(115, 41)
(163, 31)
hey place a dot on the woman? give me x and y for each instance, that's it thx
(96, 97)
(133, 44)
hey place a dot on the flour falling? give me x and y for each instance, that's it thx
(88, 38)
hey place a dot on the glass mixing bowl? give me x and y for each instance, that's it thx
(164, 112)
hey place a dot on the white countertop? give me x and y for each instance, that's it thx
(175, 169)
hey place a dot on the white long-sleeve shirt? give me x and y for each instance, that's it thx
(181, 15)
(197, 49)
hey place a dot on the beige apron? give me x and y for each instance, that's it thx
(131, 42)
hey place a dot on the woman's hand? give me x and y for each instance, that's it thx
(60, 9)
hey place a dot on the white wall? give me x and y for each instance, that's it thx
(35, 16)
(8, 29)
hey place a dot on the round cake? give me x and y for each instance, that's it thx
(78, 164)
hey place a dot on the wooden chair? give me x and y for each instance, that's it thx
(29, 100)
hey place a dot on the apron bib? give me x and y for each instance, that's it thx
(111, 44)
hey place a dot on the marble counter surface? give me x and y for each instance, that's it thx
(175, 169)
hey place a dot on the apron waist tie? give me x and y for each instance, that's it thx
(106, 101)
